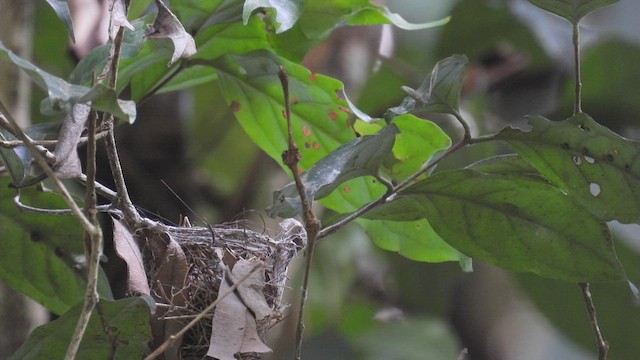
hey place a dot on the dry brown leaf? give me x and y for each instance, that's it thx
(167, 26)
(233, 328)
(67, 163)
(127, 248)
(172, 273)
(252, 289)
(119, 18)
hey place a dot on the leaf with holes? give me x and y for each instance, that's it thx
(514, 222)
(125, 333)
(360, 157)
(592, 164)
(572, 10)
(439, 92)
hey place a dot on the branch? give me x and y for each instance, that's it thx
(311, 223)
(603, 345)
(577, 107)
(173, 338)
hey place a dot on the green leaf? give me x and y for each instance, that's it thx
(124, 335)
(572, 10)
(36, 251)
(505, 164)
(514, 222)
(415, 240)
(62, 10)
(196, 15)
(252, 89)
(418, 141)
(319, 18)
(287, 11)
(63, 95)
(359, 157)
(589, 162)
(439, 93)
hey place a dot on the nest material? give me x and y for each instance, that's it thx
(186, 265)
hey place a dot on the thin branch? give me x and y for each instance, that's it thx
(173, 338)
(37, 210)
(577, 107)
(12, 144)
(603, 345)
(291, 157)
(467, 131)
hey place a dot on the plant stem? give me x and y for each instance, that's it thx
(577, 107)
(311, 223)
(603, 345)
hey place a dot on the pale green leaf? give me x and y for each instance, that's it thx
(516, 223)
(417, 142)
(594, 165)
(440, 91)
(360, 157)
(572, 10)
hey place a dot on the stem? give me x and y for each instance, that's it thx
(93, 244)
(603, 345)
(123, 200)
(311, 223)
(577, 107)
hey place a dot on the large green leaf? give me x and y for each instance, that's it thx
(517, 223)
(125, 333)
(589, 162)
(360, 157)
(572, 10)
(36, 251)
(415, 240)
(439, 92)
(319, 118)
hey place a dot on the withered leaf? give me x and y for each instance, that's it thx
(119, 18)
(172, 273)
(167, 26)
(127, 248)
(234, 328)
(67, 163)
(252, 289)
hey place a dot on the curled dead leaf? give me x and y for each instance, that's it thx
(167, 26)
(118, 18)
(67, 162)
(128, 250)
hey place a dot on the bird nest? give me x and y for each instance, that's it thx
(190, 268)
